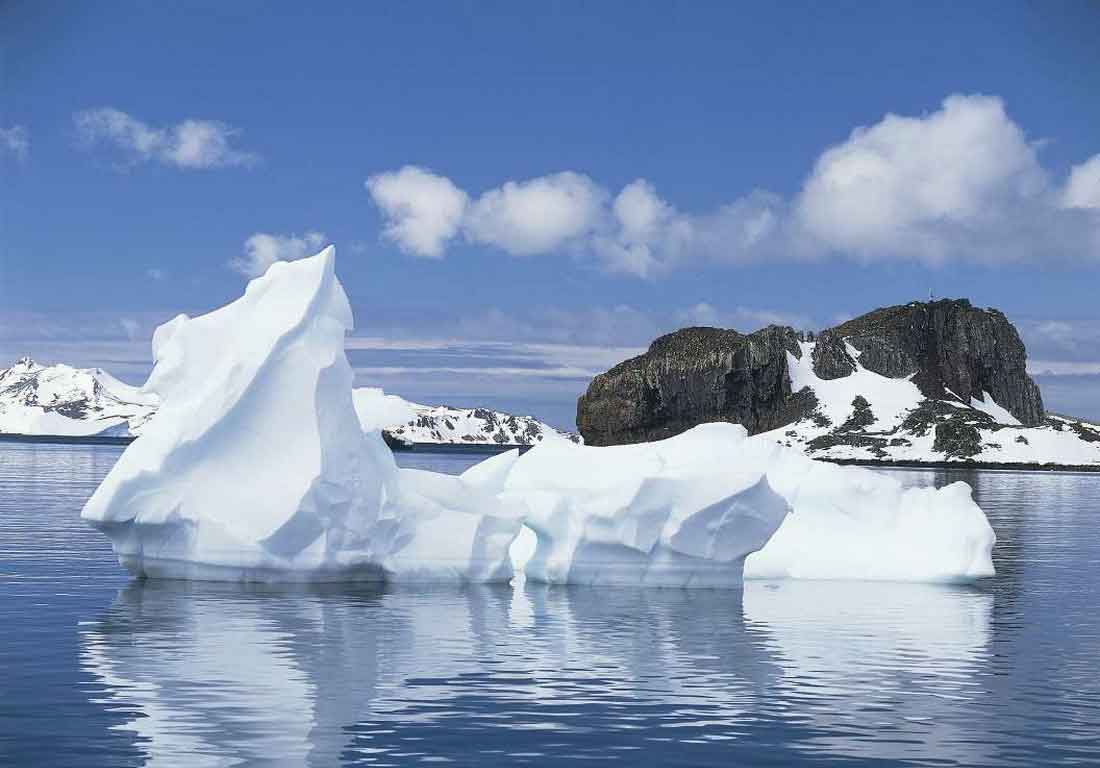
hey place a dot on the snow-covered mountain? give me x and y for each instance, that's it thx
(406, 422)
(72, 402)
(59, 400)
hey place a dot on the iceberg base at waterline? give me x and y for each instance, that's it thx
(258, 467)
(845, 523)
(669, 513)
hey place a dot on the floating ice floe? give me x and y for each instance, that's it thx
(855, 523)
(716, 493)
(260, 466)
(670, 513)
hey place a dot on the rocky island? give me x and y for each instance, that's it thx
(923, 383)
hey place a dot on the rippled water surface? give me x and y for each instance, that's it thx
(96, 670)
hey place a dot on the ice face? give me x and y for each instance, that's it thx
(256, 467)
(634, 513)
(669, 513)
(855, 523)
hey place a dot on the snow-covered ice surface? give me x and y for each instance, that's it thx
(677, 512)
(855, 523)
(256, 467)
(262, 465)
(627, 513)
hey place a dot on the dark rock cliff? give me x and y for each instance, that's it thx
(944, 345)
(698, 375)
(692, 376)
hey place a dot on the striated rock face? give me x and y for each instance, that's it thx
(944, 345)
(690, 377)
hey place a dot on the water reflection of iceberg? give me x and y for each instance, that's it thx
(899, 659)
(218, 674)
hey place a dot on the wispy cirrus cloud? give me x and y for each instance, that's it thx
(191, 144)
(537, 359)
(15, 142)
(963, 183)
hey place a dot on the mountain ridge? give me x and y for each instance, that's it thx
(61, 401)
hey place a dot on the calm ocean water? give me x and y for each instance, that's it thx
(100, 671)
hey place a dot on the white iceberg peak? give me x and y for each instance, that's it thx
(256, 468)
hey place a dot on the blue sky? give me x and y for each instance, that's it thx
(577, 177)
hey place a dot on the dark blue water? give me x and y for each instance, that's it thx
(98, 671)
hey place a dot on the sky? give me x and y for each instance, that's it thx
(523, 194)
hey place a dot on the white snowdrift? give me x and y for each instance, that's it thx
(260, 467)
(256, 467)
(711, 492)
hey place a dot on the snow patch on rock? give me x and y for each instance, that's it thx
(999, 413)
(905, 423)
(890, 399)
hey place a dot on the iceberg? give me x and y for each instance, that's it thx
(856, 523)
(671, 513)
(263, 465)
(257, 468)
(716, 494)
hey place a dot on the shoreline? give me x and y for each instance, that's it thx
(400, 447)
(493, 449)
(1021, 466)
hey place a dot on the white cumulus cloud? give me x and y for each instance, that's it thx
(538, 215)
(189, 145)
(422, 210)
(1083, 187)
(921, 186)
(262, 249)
(963, 183)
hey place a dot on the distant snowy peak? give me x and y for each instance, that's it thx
(61, 400)
(406, 422)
